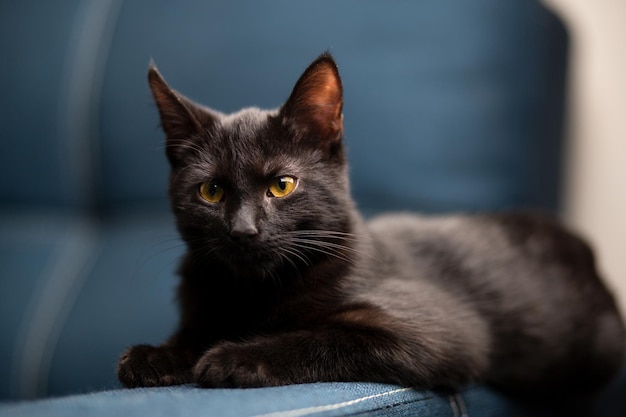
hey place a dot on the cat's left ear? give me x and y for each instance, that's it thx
(315, 105)
(181, 118)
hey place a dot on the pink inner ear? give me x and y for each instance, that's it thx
(325, 89)
(321, 100)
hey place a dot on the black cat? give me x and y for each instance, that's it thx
(284, 282)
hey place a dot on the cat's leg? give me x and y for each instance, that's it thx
(341, 352)
(150, 366)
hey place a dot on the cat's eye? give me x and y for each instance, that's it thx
(282, 186)
(211, 192)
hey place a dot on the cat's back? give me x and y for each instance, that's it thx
(483, 241)
(491, 259)
(532, 280)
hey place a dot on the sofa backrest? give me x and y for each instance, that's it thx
(462, 102)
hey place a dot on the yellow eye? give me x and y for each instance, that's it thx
(211, 192)
(282, 186)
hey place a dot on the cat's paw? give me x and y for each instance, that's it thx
(233, 365)
(149, 366)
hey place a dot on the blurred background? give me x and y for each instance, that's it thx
(468, 106)
(595, 174)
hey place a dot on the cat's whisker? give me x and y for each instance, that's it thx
(327, 251)
(290, 261)
(323, 242)
(154, 252)
(335, 246)
(295, 267)
(331, 252)
(205, 248)
(298, 255)
(327, 234)
(163, 246)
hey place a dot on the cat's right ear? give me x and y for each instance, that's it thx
(181, 119)
(314, 108)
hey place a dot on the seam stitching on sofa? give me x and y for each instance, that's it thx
(389, 407)
(462, 406)
(319, 409)
(92, 36)
(457, 404)
(453, 406)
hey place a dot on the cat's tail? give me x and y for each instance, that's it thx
(608, 350)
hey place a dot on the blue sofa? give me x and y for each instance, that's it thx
(464, 100)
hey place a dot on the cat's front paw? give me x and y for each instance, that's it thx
(149, 366)
(233, 365)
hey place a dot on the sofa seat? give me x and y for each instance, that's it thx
(322, 399)
(319, 400)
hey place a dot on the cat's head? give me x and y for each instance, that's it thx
(260, 190)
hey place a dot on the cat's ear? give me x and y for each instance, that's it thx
(181, 118)
(315, 104)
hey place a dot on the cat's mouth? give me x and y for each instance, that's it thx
(250, 255)
(247, 254)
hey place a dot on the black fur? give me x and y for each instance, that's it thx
(301, 289)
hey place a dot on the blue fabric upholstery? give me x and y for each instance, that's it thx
(329, 399)
(321, 400)
(447, 107)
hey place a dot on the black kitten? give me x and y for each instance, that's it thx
(283, 282)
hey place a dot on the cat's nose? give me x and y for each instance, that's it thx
(243, 225)
(244, 232)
